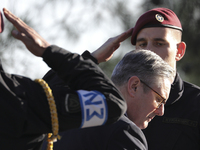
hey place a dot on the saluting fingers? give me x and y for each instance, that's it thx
(19, 24)
(120, 38)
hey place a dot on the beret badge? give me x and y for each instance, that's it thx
(159, 17)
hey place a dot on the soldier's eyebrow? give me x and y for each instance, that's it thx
(155, 39)
(140, 40)
(159, 39)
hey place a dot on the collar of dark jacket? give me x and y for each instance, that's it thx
(177, 89)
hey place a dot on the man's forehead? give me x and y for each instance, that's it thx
(156, 33)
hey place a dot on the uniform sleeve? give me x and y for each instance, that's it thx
(82, 74)
(24, 106)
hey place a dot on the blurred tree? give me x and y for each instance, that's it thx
(189, 15)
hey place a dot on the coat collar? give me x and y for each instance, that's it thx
(177, 89)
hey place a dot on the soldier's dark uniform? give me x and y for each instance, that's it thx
(25, 114)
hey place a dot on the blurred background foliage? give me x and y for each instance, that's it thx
(114, 16)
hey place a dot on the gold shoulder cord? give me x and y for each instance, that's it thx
(54, 117)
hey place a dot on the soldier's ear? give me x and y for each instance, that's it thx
(181, 48)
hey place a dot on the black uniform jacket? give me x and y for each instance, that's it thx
(179, 127)
(122, 135)
(24, 110)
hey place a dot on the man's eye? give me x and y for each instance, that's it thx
(159, 100)
(159, 44)
(142, 45)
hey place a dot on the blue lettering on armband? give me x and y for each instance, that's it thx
(93, 108)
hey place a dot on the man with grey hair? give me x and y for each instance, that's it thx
(144, 80)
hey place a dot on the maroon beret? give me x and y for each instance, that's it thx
(158, 17)
(1, 22)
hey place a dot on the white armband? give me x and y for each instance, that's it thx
(93, 108)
